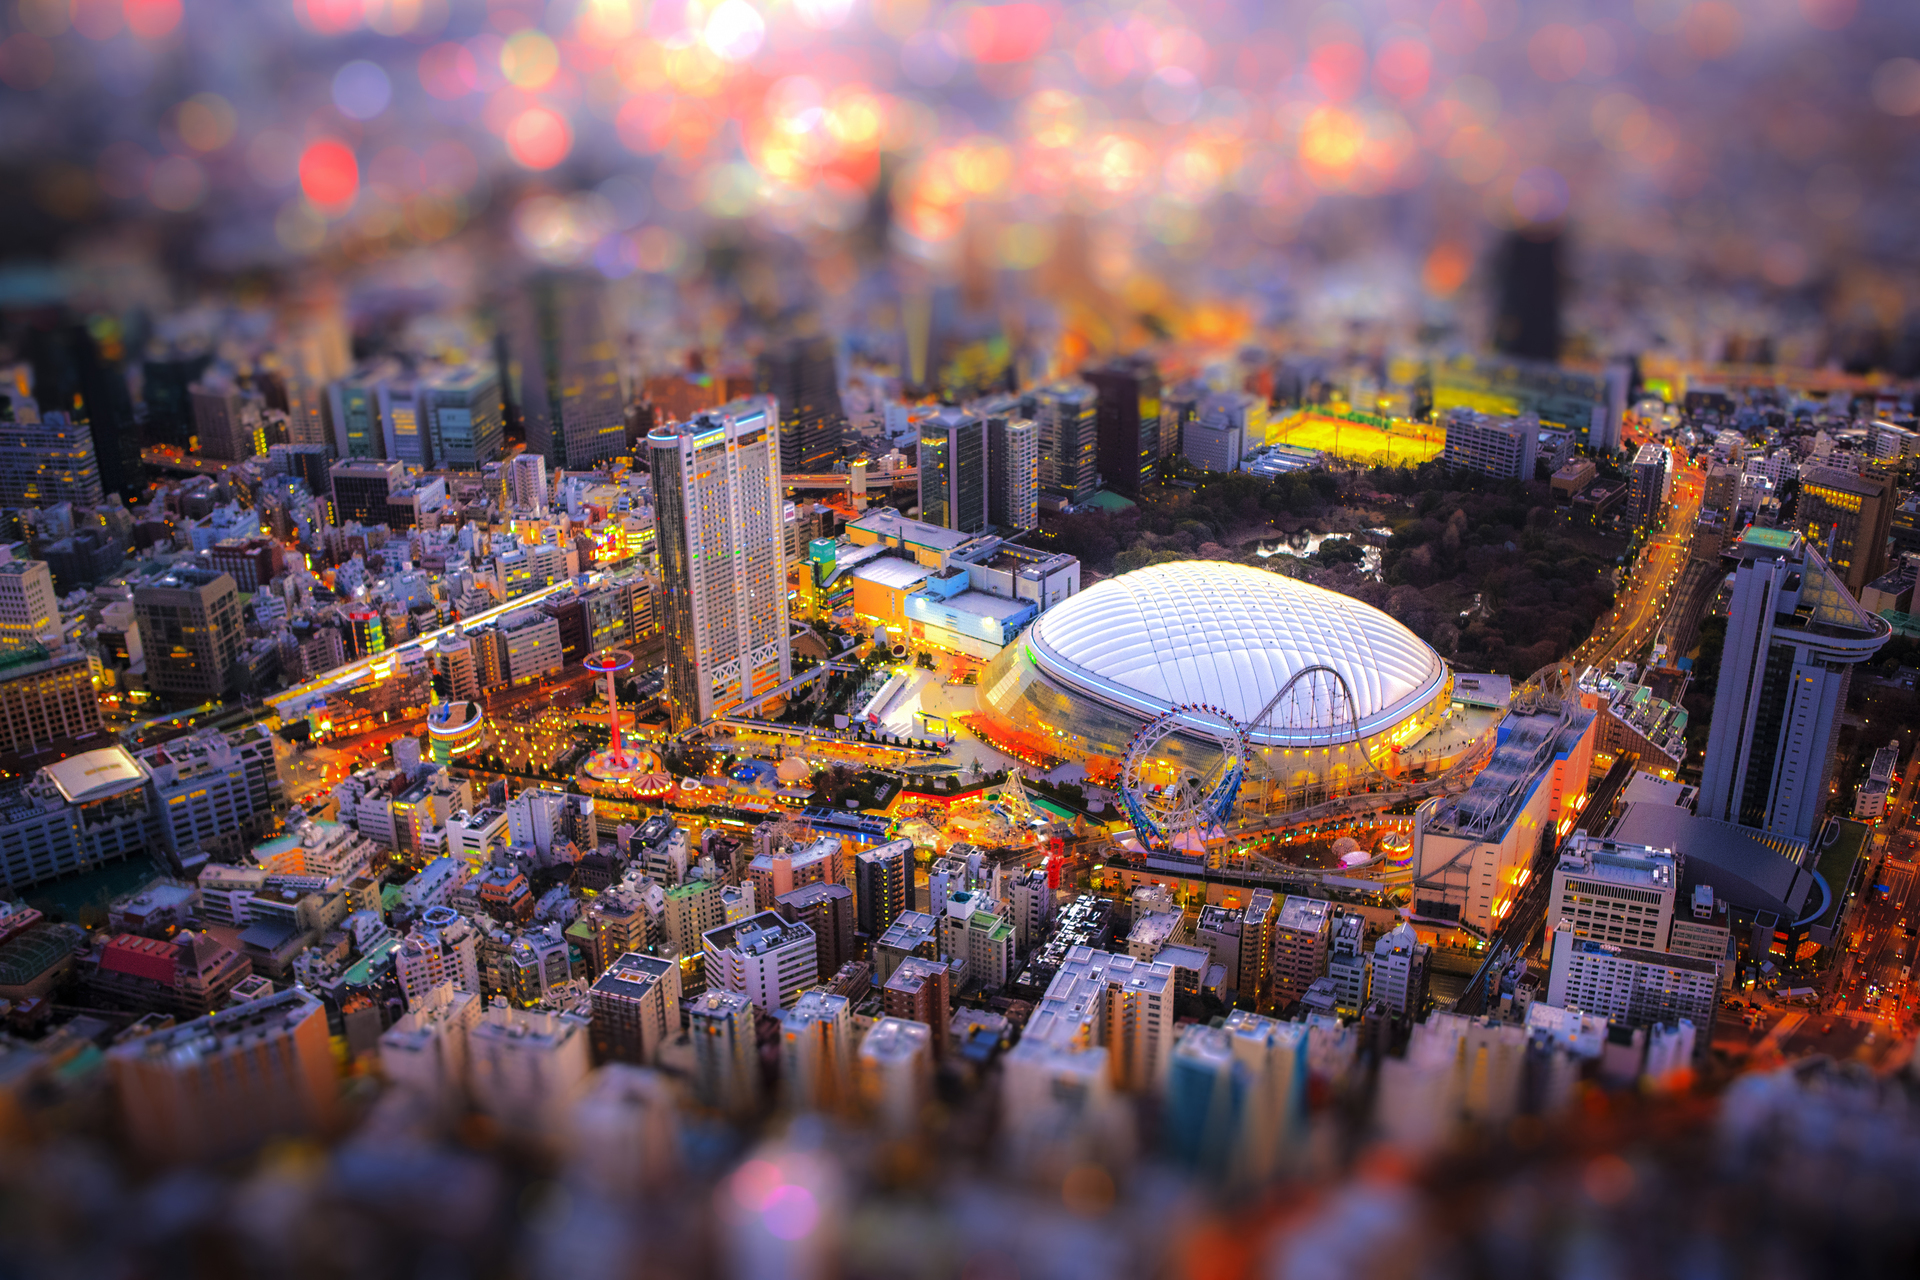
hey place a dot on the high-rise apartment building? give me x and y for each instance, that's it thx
(1397, 972)
(1848, 515)
(769, 960)
(1066, 413)
(525, 1063)
(1794, 635)
(896, 1072)
(29, 609)
(565, 372)
(716, 482)
(442, 948)
(922, 990)
(223, 1084)
(1126, 422)
(190, 626)
(816, 1052)
(636, 1008)
(826, 909)
(1013, 464)
(803, 379)
(1300, 932)
(46, 459)
(1256, 948)
(882, 886)
(1649, 484)
(1621, 893)
(726, 1055)
(526, 482)
(953, 470)
(1504, 448)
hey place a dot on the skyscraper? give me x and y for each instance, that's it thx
(726, 1059)
(46, 460)
(190, 625)
(723, 564)
(461, 409)
(527, 481)
(565, 372)
(1847, 515)
(163, 390)
(801, 376)
(224, 419)
(403, 432)
(953, 470)
(1069, 469)
(1013, 464)
(1127, 422)
(353, 410)
(1794, 635)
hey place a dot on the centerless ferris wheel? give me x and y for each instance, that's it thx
(1174, 799)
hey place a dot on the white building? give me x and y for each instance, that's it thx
(722, 558)
(425, 1052)
(1119, 1003)
(896, 1072)
(816, 1052)
(441, 948)
(530, 643)
(1397, 971)
(471, 836)
(767, 959)
(1640, 987)
(524, 1065)
(1505, 448)
(1613, 892)
(726, 1057)
(29, 609)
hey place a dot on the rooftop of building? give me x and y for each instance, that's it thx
(1303, 915)
(808, 895)
(892, 571)
(883, 522)
(632, 975)
(896, 1040)
(1617, 863)
(757, 934)
(217, 1032)
(95, 775)
(909, 931)
(1639, 955)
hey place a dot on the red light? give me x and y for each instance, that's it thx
(329, 175)
(539, 138)
(151, 19)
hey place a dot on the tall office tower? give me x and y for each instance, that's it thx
(1299, 946)
(163, 390)
(816, 1052)
(636, 1008)
(882, 886)
(526, 481)
(221, 1085)
(403, 430)
(1615, 892)
(353, 410)
(1848, 516)
(1397, 972)
(29, 609)
(190, 625)
(226, 419)
(360, 488)
(1256, 948)
(47, 460)
(1650, 483)
(1127, 422)
(78, 368)
(1505, 448)
(953, 470)
(464, 422)
(801, 376)
(313, 353)
(726, 1056)
(1065, 414)
(1013, 465)
(1794, 636)
(1179, 405)
(1528, 269)
(565, 372)
(723, 564)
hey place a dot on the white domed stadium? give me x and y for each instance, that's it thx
(1326, 686)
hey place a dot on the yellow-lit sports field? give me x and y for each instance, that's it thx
(1403, 443)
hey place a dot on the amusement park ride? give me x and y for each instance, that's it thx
(1173, 807)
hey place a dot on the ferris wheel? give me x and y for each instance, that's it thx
(1188, 793)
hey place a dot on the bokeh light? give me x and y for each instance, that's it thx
(329, 173)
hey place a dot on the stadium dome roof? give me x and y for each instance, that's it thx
(1230, 636)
